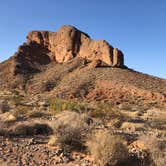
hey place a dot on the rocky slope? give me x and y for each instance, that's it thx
(69, 64)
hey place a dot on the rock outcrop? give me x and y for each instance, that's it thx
(68, 42)
(68, 64)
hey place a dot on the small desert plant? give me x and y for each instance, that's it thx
(70, 130)
(107, 149)
(58, 105)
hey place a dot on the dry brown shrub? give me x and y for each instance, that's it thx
(70, 130)
(107, 149)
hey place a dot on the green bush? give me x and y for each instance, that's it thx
(58, 105)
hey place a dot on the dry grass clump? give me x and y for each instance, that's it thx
(107, 149)
(70, 130)
(156, 148)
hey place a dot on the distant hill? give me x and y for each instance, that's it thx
(69, 64)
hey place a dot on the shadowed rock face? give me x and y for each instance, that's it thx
(68, 42)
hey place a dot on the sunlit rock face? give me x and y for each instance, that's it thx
(69, 42)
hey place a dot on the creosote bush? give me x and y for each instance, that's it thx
(58, 105)
(107, 149)
(70, 130)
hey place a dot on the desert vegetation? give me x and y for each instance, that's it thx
(109, 134)
(71, 136)
(107, 149)
(59, 105)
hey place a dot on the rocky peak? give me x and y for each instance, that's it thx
(69, 42)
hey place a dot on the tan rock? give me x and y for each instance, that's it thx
(95, 63)
(118, 58)
(11, 118)
(137, 146)
(40, 37)
(52, 141)
(132, 127)
(68, 42)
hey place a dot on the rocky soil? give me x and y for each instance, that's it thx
(35, 152)
(33, 149)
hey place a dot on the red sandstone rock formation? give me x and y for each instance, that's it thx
(68, 42)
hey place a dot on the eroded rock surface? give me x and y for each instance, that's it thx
(68, 42)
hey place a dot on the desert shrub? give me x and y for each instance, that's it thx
(107, 149)
(58, 105)
(156, 148)
(107, 112)
(70, 130)
(31, 129)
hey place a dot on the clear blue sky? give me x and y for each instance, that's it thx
(137, 27)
